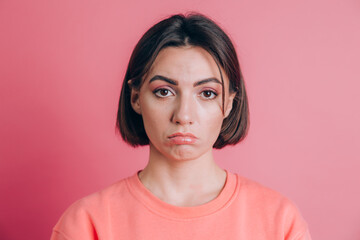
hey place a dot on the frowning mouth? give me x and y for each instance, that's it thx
(179, 134)
(182, 138)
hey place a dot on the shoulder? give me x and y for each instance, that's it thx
(100, 198)
(79, 219)
(263, 196)
(268, 206)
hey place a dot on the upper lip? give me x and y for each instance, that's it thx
(179, 134)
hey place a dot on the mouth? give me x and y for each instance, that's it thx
(182, 138)
(179, 134)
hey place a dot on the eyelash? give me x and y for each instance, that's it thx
(161, 89)
(213, 93)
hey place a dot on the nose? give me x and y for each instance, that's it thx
(184, 111)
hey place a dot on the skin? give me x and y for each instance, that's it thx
(183, 174)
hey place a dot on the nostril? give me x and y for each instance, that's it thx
(183, 113)
(177, 122)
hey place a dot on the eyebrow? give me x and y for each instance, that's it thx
(174, 82)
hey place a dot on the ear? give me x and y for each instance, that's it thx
(134, 99)
(228, 107)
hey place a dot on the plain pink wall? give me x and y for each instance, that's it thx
(61, 69)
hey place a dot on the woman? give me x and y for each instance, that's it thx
(183, 95)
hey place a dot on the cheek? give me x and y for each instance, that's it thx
(212, 117)
(215, 123)
(154, 118)
(150, 116)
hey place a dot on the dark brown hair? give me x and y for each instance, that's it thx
(179, 30)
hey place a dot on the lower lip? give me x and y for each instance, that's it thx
(182, 140)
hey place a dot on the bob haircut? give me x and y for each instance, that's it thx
(177, 31)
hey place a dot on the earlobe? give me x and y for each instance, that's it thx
(130, 82)
(135, 101)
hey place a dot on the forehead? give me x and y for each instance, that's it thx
(185, 63)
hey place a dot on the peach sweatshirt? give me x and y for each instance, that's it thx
(244, 209)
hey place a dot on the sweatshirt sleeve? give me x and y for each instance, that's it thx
(304, 236)
(295, 226)
(56, 235)
(75, 224)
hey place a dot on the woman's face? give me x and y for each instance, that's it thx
(180, 101)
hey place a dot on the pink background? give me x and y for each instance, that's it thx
(61, 68)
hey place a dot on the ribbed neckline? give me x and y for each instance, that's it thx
(164, 209)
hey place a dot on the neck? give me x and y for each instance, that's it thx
(183, 182)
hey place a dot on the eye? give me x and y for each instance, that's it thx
(162, 92)
(208, 94)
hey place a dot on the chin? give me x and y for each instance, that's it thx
(185, 153)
